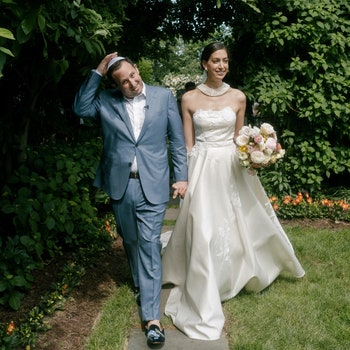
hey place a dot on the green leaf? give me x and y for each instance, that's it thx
(69, 226)
(8, 208)
(50, 223)
(41, 22)
(6, 51)
(60, 164)
(26, 240)
(39, 249)
(88, 45)
(28, 25)
(252, 5)
(274, 108)
(19, 281)
(15, 300)
(3, 285)
(21, 36)
(281, 41)
(5, 33)
(70, 32)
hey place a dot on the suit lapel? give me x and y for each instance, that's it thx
(123, 113)
(150, 97)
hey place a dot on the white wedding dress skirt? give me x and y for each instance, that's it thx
(226, 237)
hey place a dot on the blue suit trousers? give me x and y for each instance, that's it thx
(140, 223)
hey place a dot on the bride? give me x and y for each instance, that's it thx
(227, 236)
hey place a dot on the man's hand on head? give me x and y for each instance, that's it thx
(102, 67)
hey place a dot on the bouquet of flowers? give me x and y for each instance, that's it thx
(258, 147)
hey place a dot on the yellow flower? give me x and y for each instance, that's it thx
(243, 149)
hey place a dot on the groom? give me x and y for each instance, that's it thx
(137, 120)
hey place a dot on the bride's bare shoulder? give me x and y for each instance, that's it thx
(238, 94)
(191, 99)
(190, 95)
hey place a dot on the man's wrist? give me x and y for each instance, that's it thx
(96, 71)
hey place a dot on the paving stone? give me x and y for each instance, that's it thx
(175, 340)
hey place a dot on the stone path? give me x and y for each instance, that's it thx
(175, 340)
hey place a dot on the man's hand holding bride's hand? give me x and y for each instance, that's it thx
(180, 188)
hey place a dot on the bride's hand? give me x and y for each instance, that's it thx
(180, 188)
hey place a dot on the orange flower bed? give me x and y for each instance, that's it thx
(303, 205)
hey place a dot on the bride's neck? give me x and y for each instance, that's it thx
(214, 84)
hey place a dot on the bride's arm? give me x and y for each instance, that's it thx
(241, 101)
(187, 122)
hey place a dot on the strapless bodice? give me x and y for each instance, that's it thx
(214, 126)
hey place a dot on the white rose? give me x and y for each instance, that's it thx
(242, 140)
(254, 131)
(257, 157)
(267, 159)
(242, 155)
(280, 154)
(245, 130)
(267, 129)
(271, 143)
(261, 146)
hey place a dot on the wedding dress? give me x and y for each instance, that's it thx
(226, 237)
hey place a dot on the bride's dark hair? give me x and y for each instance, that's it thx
(210, 48)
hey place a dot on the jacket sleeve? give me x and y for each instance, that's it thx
(87, 102)
(176, 140)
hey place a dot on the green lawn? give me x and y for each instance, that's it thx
(312, 313)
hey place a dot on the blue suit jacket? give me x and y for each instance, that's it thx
(162, 123)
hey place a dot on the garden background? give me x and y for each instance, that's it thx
(290, 56)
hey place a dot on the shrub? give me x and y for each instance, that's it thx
(47, 207)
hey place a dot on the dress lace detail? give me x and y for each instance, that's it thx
(227, 236)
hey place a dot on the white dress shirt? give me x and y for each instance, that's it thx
(136, 108)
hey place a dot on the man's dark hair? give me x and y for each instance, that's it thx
(115, 66)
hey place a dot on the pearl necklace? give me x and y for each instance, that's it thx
(214, 92)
